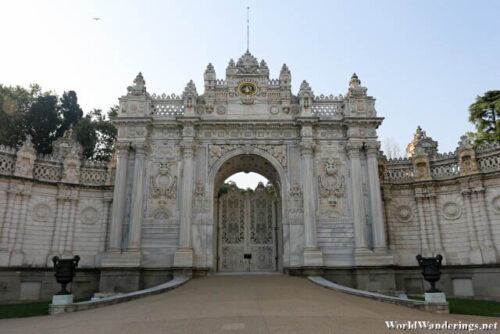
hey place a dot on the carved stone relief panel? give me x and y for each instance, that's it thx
(331, 184)
(295, 199)
(162, 190)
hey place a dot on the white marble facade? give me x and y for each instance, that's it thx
(155, 204)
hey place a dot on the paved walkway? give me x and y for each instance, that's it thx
(236, 304)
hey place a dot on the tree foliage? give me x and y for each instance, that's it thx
(97, 135)
(485, 115)
(15, 102)
(42, 121)
(45, 118)
(71, 112)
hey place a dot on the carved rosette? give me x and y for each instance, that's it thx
(277, 151)
(404, 210)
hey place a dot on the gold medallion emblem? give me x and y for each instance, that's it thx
(247, 88)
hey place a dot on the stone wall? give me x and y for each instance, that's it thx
(52, 205)
(443, 203)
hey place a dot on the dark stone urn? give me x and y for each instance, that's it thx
(65, 271)
(430, 269)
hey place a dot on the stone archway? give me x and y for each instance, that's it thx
(261, 163)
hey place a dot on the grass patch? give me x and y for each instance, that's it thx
(471, 306)
(31, 309)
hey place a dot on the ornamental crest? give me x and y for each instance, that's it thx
(164, 184)
(331, 184)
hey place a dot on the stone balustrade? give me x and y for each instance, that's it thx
(442, 166)
(50, 168)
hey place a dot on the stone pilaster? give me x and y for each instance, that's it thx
(70, 231)
(489, 246)
(119, 195)
(358, 208)
(108, 200)
(12, 193)
(183, 257)
(16, 257)
(379, 235)
(137, 197)
(424, 239)
(438, 245)
(474, 251)
(313, 255)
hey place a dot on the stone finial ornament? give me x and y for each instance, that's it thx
(285, 71)
(67, 145)
(190, 89)
(231, 67)
(305, 95)
(263, 64)
(25, 159)
(210, 68)
(139, 80)
(466, 156)
(355, 82)
(209, 75)
(355, 88)
(247, 64)
(465, 143)
(139, 87)
(421, 144)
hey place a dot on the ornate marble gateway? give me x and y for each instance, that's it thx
(156, 205)
(174, 152)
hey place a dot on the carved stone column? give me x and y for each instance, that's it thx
(184, 255)
(358, 208)
(137, 197)
(312, 254)
(379, 235)
(119, 197)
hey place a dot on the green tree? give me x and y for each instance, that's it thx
(15, 102)
(485, 115)
(70, 111)
(97, 135)
(86, 135)
(42, 122)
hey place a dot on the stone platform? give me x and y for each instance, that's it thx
(242, 304)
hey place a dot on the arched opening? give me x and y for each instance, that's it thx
(248, 233)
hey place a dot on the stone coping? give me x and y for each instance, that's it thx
(87, 305)
(416, 304)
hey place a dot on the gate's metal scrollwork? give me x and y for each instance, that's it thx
(247, 226)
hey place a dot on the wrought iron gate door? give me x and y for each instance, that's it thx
(247, 234)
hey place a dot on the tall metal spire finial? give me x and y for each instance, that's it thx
(248, 28)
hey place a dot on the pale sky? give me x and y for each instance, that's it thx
(424, 61)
